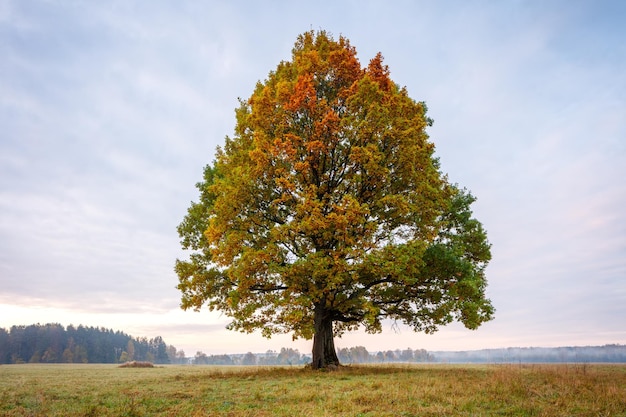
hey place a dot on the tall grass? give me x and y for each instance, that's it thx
(401, 390)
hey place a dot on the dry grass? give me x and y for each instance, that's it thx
(416, 390)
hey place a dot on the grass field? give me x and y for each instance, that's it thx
(402, 390)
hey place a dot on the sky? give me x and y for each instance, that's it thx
(110, 110)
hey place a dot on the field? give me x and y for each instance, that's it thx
(401, 390)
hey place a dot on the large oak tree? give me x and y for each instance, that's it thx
(327, 210)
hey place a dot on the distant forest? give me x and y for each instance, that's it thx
(614, 353)
(53, 343)
(288, 356)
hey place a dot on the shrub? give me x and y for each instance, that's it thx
(137, 364)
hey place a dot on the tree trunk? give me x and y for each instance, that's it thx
(324, 353)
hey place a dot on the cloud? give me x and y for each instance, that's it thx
(94, 150)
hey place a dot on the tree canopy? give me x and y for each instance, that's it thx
(327, 210)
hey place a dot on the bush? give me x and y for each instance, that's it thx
(137, 364)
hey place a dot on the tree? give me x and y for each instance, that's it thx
(356, 354)
(249, 359)
(158, 349)
(406, 355)
(327, 211)
(130, 349)
(201, 358)
(4, 346)
(171, 354)
(124, 357)
(288, 356)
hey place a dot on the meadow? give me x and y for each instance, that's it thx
(389, 390)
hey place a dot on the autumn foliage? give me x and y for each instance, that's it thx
(327, 210)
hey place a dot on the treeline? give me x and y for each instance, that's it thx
(53, 343)
(614, 353)
(359, 354)
(288, 356)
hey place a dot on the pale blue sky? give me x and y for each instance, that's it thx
(109, 111)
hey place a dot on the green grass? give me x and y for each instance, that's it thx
(407, 390)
